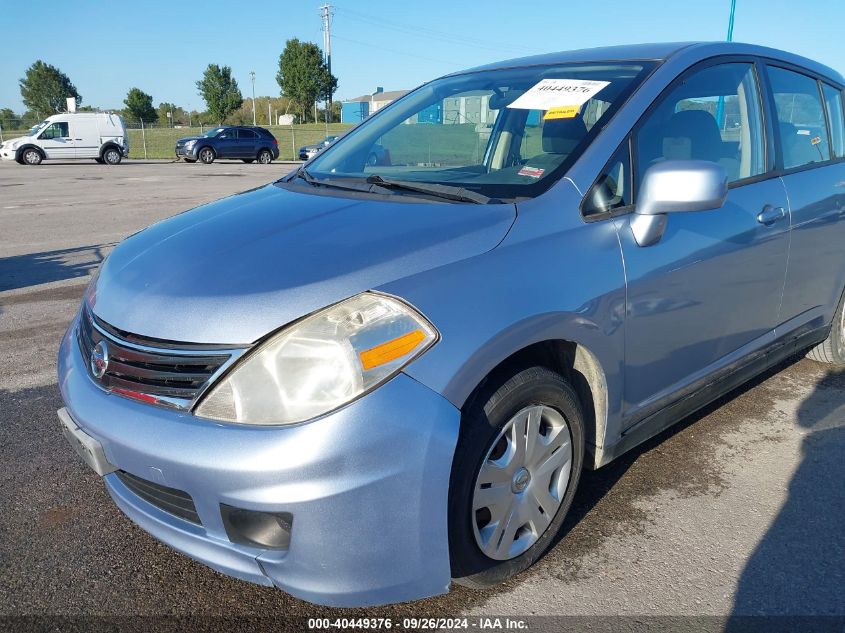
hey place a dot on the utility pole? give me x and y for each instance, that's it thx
(326, 15)
(720, 106)
(252, 76)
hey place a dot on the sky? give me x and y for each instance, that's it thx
(107, 47)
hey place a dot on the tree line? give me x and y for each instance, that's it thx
(303, 80)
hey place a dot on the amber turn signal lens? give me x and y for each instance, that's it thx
(392, 349)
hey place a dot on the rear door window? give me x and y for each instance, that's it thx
(247, 135)
(713, 114)
(833, 105)
(801, 121)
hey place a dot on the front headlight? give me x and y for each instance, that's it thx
(190, 144)
(320, 363)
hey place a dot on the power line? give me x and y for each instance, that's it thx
(442, 36)
(392, 50)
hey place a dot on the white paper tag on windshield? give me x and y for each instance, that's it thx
(555, 93)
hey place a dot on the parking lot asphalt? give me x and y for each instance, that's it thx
(737, 510)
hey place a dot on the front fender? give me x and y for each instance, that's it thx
(564, 283)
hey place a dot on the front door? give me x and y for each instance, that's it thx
(56, 141)
(710, 290)
(227, 144)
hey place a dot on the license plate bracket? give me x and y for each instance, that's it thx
(88, 448)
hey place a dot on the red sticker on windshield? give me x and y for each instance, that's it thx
(533, 172)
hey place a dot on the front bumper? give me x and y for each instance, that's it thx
(181, 152)
(367, 486)
(7, 154)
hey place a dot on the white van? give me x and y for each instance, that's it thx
(98, 135)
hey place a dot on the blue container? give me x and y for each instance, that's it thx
(431, 114)
(354, 111)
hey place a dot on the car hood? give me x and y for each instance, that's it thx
(232, 271)
(8, 142)
(187, 138)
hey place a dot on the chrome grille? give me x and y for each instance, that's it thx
(171, 500)
(165, 372)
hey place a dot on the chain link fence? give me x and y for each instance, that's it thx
(159, 140)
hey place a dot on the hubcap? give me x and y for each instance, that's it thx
(521, 482)
(32, 157)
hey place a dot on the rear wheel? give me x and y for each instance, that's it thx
(265, 157)
(514, 475)
(112, 156)
(32, 156)
(206, 155)
(832, 349)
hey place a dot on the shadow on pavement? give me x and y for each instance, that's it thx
(798, 568)
(21, 271)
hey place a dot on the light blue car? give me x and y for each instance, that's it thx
(363, 382)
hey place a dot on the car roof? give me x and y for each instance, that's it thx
(660, 51)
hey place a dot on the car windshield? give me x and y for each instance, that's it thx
(35, 129)
(213, 132)
(505, 134)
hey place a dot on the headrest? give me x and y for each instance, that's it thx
(561, 136)
(702, 130)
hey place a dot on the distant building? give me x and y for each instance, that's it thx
(357, 109)
(468, 108)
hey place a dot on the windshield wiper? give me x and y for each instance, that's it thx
(318, 182)
(441, 191)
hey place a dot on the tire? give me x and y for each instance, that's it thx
(832, 350)
(112, 156)
(532, 403)
(248, 160)
(207, 155)
(265, 157)
(31, 156)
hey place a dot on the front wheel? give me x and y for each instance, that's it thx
(112, 156)
(516, 468)
(32, 156)
(832, 350)
(206, 155)
(265, 157)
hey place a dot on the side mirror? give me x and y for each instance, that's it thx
(676, 186)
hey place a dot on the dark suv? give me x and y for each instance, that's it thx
(248, 143)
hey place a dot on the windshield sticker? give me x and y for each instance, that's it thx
(554, 93)
(533, 172)
(562, 112)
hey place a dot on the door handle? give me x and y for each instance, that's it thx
(769, 215)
